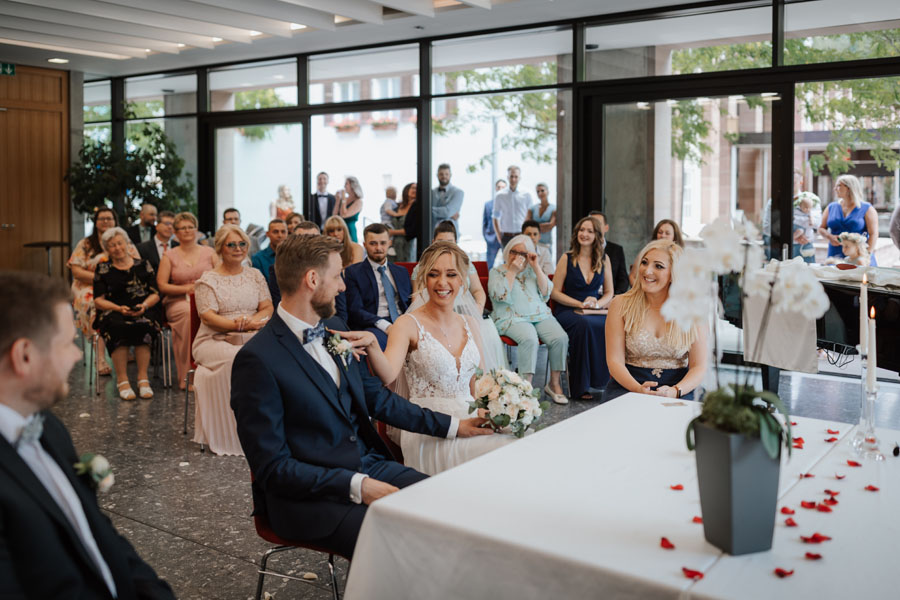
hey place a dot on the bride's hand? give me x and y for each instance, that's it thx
(472, 427)
(360, 341)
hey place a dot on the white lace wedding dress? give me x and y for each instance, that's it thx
(437, 382)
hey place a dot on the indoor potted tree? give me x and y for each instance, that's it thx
(737, 436)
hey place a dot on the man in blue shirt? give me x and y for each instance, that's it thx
(487, 226)
(264, 259)
(446, 199)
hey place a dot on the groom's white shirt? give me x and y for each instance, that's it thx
(316, 349)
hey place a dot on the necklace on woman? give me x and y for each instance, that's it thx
(444, 333)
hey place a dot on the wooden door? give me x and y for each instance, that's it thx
(34, 155)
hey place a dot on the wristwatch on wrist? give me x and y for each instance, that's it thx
(677, 391)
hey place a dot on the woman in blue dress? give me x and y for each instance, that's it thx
(587, 285)
(545, 214)
(849, 214)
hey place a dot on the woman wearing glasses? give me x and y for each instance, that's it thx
(179, 268)
(519, 291)
(233, 302)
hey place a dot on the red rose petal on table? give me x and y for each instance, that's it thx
(806, 504)
(823, 507)
(871, 488)
(665, 543)
(832, 493)
(799, 440)
(816, 538)
(832, 431)
(692, 574)
(853, 463)
(798, 446)
(836, 476)
(787, 511)
(790, 522)
(794, 423)
(697, 519)
(806, 475)
(677, 487)
(830, 501)
(813, 556)
(783, 573)
(831, 440)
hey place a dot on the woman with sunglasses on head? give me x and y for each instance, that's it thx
(233, 303)
(179, 268)
(849, 214)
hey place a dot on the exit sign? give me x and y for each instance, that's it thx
(7, 69)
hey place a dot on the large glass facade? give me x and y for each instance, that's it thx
(268, 84)
(825, 31)
(161, 95)
(182, 133)
(376, 74)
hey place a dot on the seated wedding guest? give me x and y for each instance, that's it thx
(544, 214)
(532, 229)
(179, 270)
(87, 255)
(292, 220)
(153, 249)
(666, 229)
(404, 248)
(352, 252)
(233, 303)
(306, 228)
(584, 283)
(348, 204)
(849, 214)
(519, 292)
(615, 253)
(55, 540)
(125, 295)
(265, 258)
(469, 301)
(377, 291)
(646, 354)
(144, 229)
(305, 422)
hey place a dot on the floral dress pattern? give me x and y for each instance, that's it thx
(83, 293)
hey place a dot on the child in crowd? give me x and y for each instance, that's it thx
(855, 248)
(802, 226)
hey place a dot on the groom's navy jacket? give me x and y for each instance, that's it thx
(305, 439)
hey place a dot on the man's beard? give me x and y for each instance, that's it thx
(45, 397)
(323, 305)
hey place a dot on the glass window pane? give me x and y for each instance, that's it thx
(826, 31)
(380, 157)
(850, 127)
(252, 163)
(502, 61)
(98, 132)
(252, 86)
(161, 95)
(182, 132)
(97, 101)
(721, 41)
(479, 137)
(375, 74)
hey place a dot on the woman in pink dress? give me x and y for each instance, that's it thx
(179, 268)
(233, 302)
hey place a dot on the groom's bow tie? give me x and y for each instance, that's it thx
(32, 431)
(314, 333)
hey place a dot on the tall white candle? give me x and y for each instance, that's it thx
(863, 314)
(873, 359)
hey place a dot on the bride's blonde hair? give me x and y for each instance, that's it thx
(635, 305)
(432, 254)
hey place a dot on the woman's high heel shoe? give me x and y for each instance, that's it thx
(125, 391)
(144, 389)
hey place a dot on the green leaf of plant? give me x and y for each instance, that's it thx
(770, 438)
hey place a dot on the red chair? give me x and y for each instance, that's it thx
(488, 306)
(264, 531)
(481, 267)
(409, 266)
(189, 376)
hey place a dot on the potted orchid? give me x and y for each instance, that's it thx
(737, 436)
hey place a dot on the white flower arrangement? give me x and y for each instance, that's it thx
(793, 285)
(97, 467)
(340, 347)
(511, 402)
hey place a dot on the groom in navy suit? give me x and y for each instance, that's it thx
(377, 291)
(303, 411)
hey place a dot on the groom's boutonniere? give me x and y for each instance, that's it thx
(340, 347)
(97, 467)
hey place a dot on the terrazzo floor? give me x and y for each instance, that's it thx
(188, 512)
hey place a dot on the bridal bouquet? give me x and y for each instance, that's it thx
(512, 404)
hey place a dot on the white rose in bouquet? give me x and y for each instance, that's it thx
(509, 401)
(484, 385)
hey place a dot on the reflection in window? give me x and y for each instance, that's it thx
(181, 133)
(254, 86)
(97, 101)
(374, 74)
(161, 95)
(98, 132)
(825, 31)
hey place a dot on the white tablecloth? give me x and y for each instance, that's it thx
(574, 511)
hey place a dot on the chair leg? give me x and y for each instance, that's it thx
(167, 358)
(187, 391)
(262, 567)
(334, 585)
(97, 358)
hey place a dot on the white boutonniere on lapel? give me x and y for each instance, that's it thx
(98, 468)
(340, 347)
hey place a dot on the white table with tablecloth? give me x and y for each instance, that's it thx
(577, 510)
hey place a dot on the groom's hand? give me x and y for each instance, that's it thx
(373, 489)
(472, 427)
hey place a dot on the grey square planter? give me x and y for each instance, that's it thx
(738, 490)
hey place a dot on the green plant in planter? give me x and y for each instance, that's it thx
(736, 408)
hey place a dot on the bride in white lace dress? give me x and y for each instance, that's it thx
(434, 349)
